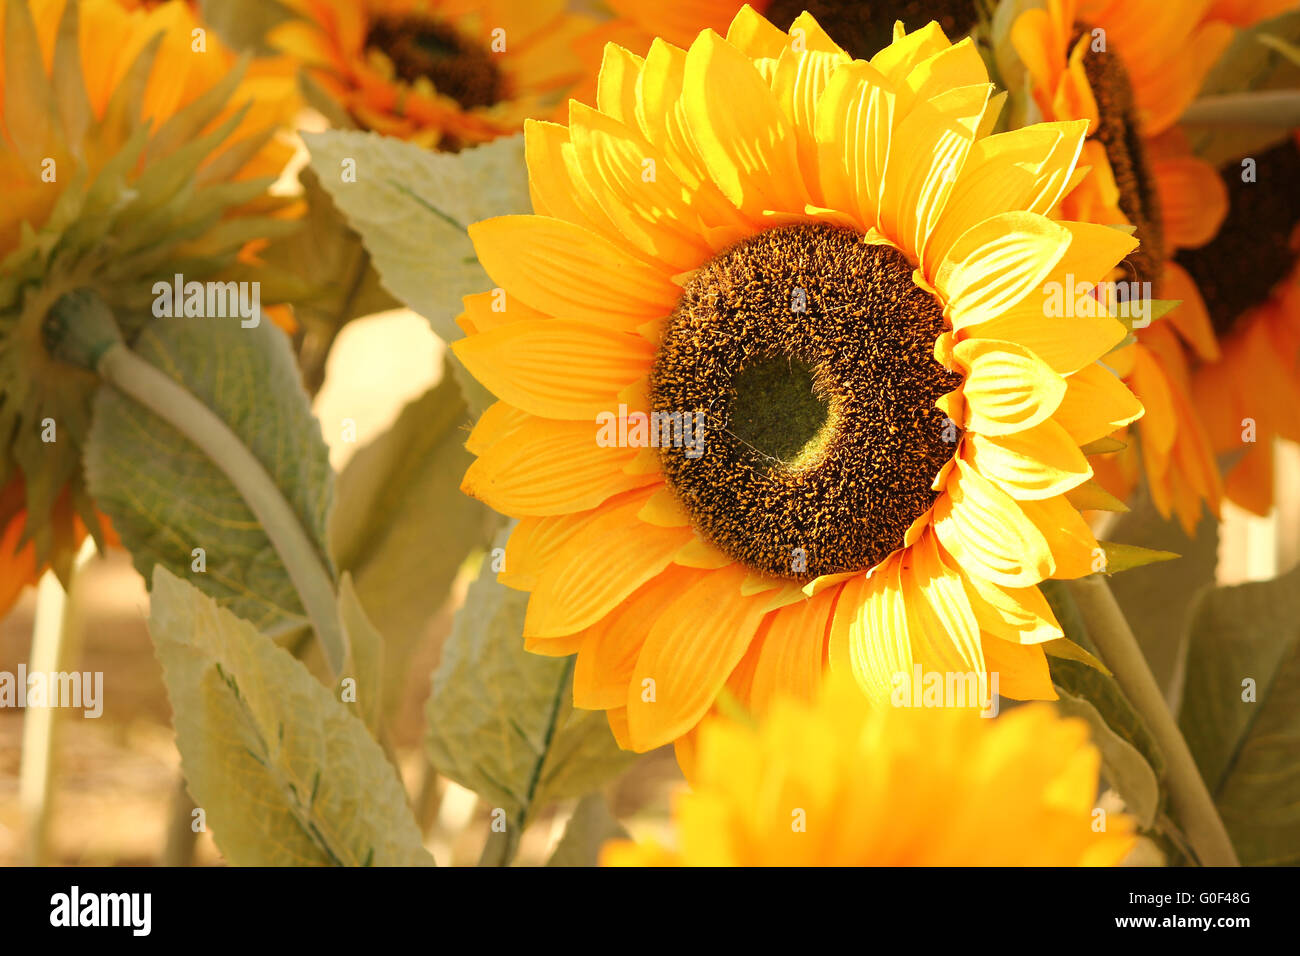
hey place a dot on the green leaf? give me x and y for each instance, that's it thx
(1125, 766)
(501, 720)
(166, 498)
(1123, 557)
(412, 207)
(1245, 736)
(408, 202)
(402, 526)
(283, 772)
(589, 829)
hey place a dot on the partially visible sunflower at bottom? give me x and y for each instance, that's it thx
(1250, 277)
(831, 279)
(442, 73)
(842, 783)
(133, 153)
(1128, 68)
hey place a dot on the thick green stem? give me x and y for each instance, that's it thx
(1120, 651)
(135, 377)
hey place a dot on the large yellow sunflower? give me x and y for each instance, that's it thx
(840, 783)
(827, 268)
(104, 188)
(1250, 275)
(443, 73)
(1127, 67)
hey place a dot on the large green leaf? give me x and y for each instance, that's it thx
(166, 498)
(501, 720)
(1241, 712)
(412, 208)
(285, 773)
(401, 525)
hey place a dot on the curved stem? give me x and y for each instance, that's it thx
(1119, 649)
(135, 377)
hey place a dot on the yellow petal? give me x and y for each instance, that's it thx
(567, 271)
(869, 634)
(790, 659)
(556, 368)
(986, 531)
(1008, 389)
(549, 468)
(1096, 403)
(854, 123)
(750, 153)
(687, 657)
(1039, 462)
(997, 264)
(597, 569)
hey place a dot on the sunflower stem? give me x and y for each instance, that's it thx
(139, 380)
(52, 640)
(1119, 649)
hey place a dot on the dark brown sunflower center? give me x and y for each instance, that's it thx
(1252, 251)
(807, 357)
(1120, 134)
(863, 28)
(421, 47)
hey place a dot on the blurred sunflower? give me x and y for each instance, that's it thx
(1250, 278)
(825, 267)
(1123, 65)
(137, 149)
(442, 73)
(840, 783)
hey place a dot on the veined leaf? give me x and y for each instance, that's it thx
(166, 498)
(401, 525)
(501, 720)
(285, 774)
(409, 203)
(1241, 713)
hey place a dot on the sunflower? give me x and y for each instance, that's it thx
(1250, 277)
(839, 783)
(132, 141)
(822, 287)
(443, 73)
(1123, 65)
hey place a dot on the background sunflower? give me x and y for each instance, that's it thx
(442, 73)
(1126, 69)
(840, 783)
(129, 114)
